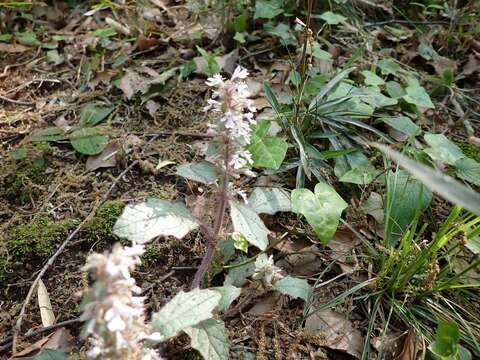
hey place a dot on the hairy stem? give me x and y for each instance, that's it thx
(212, 236)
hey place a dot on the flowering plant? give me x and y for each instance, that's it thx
(114, 310)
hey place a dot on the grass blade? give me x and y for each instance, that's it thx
(445, 186)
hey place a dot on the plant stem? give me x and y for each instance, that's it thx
(212, 236)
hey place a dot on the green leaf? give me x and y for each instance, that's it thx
(237, 276)
(229, 294)
(388, 66)
(294, 287)
(53, 57)
(267, 152)
(211, 67)
(93, 114)
(469, 170)
(402, 124)
(282, 31)
(48, 354)
(27, 38)
(240, 242)
(268, 200)
(6, 37)
(395, 90)
(188, 68)
(446, 339)
(144, 221)
(445, 186)
(268, 9)
(88, 141)
(332, 18)
(210, 338)
(322, 209)
(105, 32)
(240, 37)
(442, 149)
(417, 95)
(202, 172)
(361, 175)
(184, 310)
(408, 194)
(48, 134)
(372, 79)
(18, 154)
(247, 222)
(319, 53)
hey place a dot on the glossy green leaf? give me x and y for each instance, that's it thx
(186, 309)
(247, 222)
(394, 89)
(88, 141)
(322, 209)
(142, 222)
(267, 152)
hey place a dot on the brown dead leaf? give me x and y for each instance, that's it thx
(255, 87)
(60, 340)
(305, 263)
(133, 83)
(261, 103)
(409, 351)
(337, 330)
(107, 158)
(442, 63)
(145, 43)
(266, 304)
(472, 65)
(13, 48)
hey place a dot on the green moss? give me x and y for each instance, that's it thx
(470, 150)
(151, 255)
(20, 181)
(101, 225)
(39, 239)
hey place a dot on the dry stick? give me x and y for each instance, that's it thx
(50, 261)
(17, 102)
(212, 236)
(8, 341)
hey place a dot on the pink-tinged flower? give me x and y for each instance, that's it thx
(231, 97)
(114, 314)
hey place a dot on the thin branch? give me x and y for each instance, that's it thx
(407, 22)
(5, 344)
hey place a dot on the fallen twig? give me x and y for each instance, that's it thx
(5, 344)
(17, 102)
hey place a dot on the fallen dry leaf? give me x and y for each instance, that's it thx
(266, 304)
(338, 331)
(46, 312)
(409, 351)
(13, 48)
(107, 158)
(60, 340)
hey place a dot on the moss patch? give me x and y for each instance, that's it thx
(151, 255)
(470, 150)
(101, 225)
(26, 180)
(38, 239)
